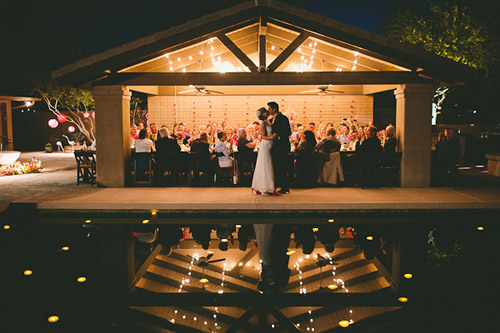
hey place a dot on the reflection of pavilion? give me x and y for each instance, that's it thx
(238, 276)
(256, 52)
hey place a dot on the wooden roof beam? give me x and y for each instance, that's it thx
(288, 51)
(256, 299)
(237, 52)
(275, 78)
(262, 43)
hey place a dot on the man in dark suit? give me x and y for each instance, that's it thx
(281, 147)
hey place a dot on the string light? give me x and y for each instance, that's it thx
(6, 227)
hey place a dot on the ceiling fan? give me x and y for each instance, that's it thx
(201, 91)
(322, 261)
(203, 262)
(322, 90)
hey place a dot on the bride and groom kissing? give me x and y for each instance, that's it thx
(272, 160)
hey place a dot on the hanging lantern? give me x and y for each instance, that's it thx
(71, 129)
(86, 114)
(61, 118)
(53, 123)
(93, 114)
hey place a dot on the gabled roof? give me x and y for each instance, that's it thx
(307, 25)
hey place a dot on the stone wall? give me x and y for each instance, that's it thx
(240, 110)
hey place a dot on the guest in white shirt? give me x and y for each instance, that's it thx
(143, 144)
(224, 158)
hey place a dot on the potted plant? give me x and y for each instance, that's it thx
(48, 148)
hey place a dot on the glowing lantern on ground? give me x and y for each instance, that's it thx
(71, 129)
(61, 117)
(86, 114)
(53, 123)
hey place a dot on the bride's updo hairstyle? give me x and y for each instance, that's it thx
(260, 113)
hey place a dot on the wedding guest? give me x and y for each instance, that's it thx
(134, 134)
(153, 128)
(224, 158)
(304, 161)
(257, 132)
(344, 135)
(143, 144)
(167, 154)
(370, 152)
(201, 161)
(140, 126)
(390, 144)
(246, 155)
(210, 132)
(183, 130)
(330, 144)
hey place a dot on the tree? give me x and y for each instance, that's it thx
(450, 29)
(461, 30)
(76, 106)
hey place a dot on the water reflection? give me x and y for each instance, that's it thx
(208, 277)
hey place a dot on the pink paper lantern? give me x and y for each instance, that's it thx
(61, 118)
(53, 123)
(86, 114)
(71, 129)
(93, 114)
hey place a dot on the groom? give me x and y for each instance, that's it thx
(281, 147)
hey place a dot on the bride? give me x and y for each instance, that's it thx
(263, 176)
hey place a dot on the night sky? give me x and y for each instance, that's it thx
(39, 36)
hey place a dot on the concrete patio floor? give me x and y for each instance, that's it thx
(55, 189)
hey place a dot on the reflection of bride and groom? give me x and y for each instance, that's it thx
(272, 160)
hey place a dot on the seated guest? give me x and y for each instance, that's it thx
(370, 153)
(328, 159)
(143, 144)
(223, 153)
(344, 135)
(304, 161)
(201, 148)
(134, 133)
(154, 132)
(330, 144)
(185, 135)
(256, 132)
(296, 136)
(167, 153)
(390, 144)
(246, 156)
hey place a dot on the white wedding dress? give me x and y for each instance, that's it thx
(263, 176)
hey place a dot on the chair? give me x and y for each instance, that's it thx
(224, 172)
(142, 168)
(332, 170)
(390, 166)
(167, 169)
(85, 167)
(199, 168)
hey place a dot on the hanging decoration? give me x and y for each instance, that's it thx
(61, 118)
(53, 123)
(86, 114)
(71, 129)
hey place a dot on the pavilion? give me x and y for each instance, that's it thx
(225, 65)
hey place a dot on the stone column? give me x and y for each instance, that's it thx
(116, 255)
(414, 130)
(112, 105)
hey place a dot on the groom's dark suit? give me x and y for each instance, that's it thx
(280, 151)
